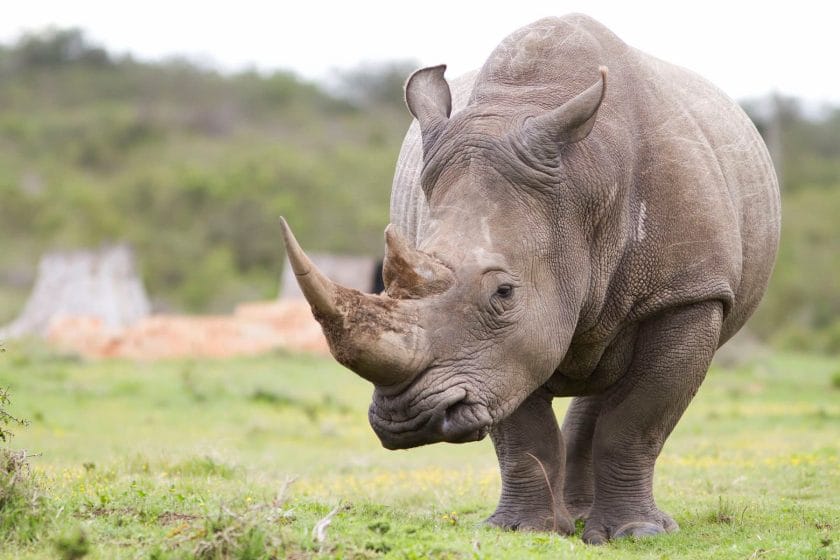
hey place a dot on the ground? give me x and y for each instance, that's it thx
(190, 459)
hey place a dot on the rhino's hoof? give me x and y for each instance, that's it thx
(549, 523)
(638, 529)
(600, 533)
(595, 536)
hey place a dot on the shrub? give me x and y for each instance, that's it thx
(6, 419)
(21, 502)
(72, 544)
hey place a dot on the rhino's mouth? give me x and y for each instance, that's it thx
(451, 417)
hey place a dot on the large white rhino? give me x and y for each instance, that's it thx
(588, 221)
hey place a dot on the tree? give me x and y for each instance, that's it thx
(55, 47)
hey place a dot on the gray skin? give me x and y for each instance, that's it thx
(567, 231)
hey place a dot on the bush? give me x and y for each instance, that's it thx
(7, 419)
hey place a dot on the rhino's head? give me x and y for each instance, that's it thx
(482, 312)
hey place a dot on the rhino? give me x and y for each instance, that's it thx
(575, 219)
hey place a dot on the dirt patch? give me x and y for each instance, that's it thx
(253, 328)
(170, 517)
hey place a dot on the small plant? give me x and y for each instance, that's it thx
(203, 467)
(726, 514)
(249, 534)
(21, 502)
(72, 544)
(190, 385)
(311, 410)
(380, 527)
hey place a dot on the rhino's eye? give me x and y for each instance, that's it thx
(504, 291)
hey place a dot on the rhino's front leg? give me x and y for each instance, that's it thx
(531, 457)
(671, 356)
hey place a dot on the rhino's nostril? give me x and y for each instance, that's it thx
(462, 423)
(454, 416)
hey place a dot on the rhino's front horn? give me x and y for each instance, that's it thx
(319, 290)
(377, 337)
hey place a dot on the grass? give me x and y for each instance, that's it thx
(243, 458)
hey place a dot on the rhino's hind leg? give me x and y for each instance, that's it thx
(672, 353)
(531, 457)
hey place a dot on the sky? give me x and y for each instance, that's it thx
(748, 48)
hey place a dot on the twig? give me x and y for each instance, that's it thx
(759, 552)
(280, 499)
(319, 531)
(743, 512)
(550, 491)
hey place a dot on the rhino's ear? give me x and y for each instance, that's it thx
(428, 98)
(572, 121)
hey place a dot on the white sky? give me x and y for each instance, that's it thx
(747, 48)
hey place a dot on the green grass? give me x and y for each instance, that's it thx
(242, 458)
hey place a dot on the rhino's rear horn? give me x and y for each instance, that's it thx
(409, 273)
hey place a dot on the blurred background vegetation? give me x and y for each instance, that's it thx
(193, 167)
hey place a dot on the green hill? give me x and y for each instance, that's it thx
(190, 167)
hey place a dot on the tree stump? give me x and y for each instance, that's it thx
(101, 285)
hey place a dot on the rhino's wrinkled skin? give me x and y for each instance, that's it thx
(577, 219)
